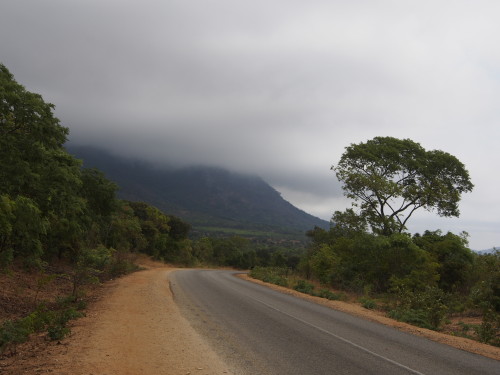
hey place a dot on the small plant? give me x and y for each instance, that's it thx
(13, 333)
(16, 332)
(411, 316)
(328, 294)
(368, 303)
(57, 332)
(303, 286)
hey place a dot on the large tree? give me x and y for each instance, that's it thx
(389, 179)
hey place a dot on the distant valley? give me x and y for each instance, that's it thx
(212, 200)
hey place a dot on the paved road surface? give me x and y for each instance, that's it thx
(257, 330)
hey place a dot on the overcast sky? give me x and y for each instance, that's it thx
(275, 88)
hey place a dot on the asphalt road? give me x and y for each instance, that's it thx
(257, 330)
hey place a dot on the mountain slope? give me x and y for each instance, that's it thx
(205, 197)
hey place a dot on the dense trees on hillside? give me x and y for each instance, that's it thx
(52, 208)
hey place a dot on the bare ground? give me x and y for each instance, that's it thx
(134, 327)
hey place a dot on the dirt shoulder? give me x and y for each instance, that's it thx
(353, 309)
(135, 328)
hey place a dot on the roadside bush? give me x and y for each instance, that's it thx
(273, 275)
(488, 330)
(328, 294)
(411, 316)
(58, 332)
(303, 286)
(14, 332)
(368, 303)
(426, 308)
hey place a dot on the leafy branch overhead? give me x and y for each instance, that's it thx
(389, 179)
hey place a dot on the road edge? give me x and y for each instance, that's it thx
(460, 343)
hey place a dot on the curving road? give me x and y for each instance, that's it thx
(257, 330)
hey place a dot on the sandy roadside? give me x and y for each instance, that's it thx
(135, 329)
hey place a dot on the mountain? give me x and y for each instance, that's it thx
(488, 251)
(210, 199)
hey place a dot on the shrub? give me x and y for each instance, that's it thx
(303, 286)
(58, 332)
(368, 303)
(16, 332)
(488, 330)
(426, 308)
(273, 275)
(13, 333)
(411, 316)
(328, 294)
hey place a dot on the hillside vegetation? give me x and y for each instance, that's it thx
(212, 200)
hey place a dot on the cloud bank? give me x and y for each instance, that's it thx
(276, 88)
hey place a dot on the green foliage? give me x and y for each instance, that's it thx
(488, 330)
(451, 253)
(22, 228)
(57, 332)
(125, 232)
(89, 265)
(368, 303)
(14, 332)
(323, 263)
(391, 178)
(303, 286)
(371, 261)
(328, 294)
(6, 222)
(348, 224)
(27, 231)
(426, 308)
(273, 275)
(99, 193)
(411, 316)
(485, 292)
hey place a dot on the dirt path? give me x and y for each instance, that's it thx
(135, 330)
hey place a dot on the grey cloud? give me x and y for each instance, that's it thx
(277, 88)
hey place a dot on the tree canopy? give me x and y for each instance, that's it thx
(389, 179)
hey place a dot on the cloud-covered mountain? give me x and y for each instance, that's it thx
(211, 199)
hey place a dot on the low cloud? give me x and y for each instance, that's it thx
(275, 88)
